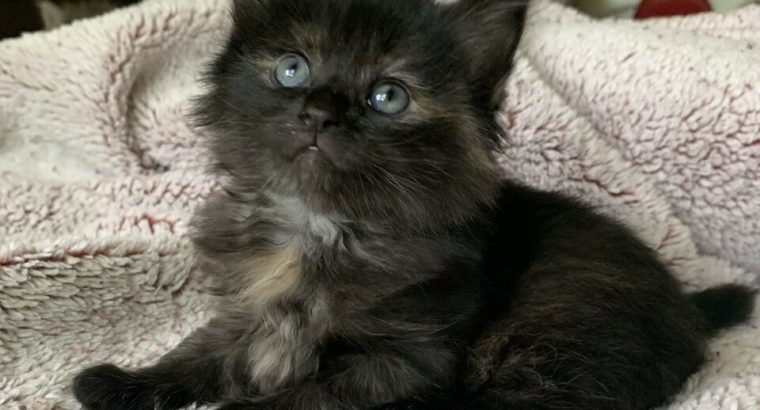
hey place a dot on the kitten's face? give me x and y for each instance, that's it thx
(360, 107)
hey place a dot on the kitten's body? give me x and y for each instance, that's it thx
(388, 264)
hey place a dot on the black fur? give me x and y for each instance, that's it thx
(724, 306)
(379, 261)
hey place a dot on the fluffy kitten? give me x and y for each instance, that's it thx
(368, 253)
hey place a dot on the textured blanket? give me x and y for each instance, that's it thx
(656, 122)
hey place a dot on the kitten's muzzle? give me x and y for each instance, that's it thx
(322, 109)
(317, 119)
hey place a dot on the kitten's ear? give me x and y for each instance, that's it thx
(489, 31)
(250, 20)
(245, 10)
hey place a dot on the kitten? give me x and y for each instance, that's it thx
(368, 254)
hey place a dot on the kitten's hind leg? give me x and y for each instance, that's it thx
(193, 372)
(587, 336)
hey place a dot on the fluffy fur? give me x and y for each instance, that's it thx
(393, 267)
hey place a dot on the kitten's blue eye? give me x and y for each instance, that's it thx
(292, 71)
(389, 98)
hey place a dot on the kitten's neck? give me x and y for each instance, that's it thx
(296, 216)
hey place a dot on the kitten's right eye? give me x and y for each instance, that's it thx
(388, 97)
(292, 71)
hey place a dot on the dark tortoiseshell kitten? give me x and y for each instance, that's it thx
(368, 254)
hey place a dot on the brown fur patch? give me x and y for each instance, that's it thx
(271, 275)
(263, 65)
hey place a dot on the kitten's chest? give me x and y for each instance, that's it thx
(281, 288)
(289, 243)
(284, 347)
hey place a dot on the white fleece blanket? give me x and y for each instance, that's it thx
(656, 122)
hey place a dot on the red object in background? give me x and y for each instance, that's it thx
(664, 8)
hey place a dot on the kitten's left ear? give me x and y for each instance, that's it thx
(489, 31)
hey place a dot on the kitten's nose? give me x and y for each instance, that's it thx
(317, 118)
(323, 108)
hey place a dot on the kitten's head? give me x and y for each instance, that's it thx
(379, 110)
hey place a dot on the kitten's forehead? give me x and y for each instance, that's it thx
(366, 31)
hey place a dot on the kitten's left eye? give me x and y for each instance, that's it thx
(292, 71)
(388, 97)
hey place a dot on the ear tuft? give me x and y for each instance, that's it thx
(489, 31)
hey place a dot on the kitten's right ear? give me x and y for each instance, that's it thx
(251, 19)
(247, 10)
(489, 31)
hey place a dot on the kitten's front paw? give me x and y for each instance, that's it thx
(106, 387)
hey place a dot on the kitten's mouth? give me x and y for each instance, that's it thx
(310, 155)
(312, 149)
(313, 146)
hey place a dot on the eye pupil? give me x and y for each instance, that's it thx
(293, 69)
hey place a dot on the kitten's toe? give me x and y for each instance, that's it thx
(107, 387)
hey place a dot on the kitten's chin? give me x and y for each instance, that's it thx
(310, 165)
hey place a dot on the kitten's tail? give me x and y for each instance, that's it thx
(725, 306)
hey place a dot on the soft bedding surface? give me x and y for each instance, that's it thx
(655, 122)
